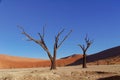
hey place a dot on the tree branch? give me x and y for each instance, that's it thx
(43, 31)
(57, 38)
(88, 43)
(27, 35)
(64, 39)
(82, 47)
(40, 42)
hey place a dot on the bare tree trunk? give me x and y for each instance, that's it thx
(53, 63)
(84, 60)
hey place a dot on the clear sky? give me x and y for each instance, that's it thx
(100, 19)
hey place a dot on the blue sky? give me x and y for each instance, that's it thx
(100, 19)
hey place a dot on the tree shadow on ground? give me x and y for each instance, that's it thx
(110, 78)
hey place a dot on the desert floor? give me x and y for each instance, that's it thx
(93, 72)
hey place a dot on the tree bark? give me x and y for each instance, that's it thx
(53, 63)
(84, 60)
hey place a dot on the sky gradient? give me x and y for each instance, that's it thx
(100, 19)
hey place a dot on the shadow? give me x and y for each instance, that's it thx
(100, 72)
(110, 78)
(112, 52)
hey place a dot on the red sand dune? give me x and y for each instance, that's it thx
(7, 61)
(68, 60)
(109, 56)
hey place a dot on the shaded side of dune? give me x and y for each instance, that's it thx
(103, 55)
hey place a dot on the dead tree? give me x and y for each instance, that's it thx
(42, 43)
(84, 49)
